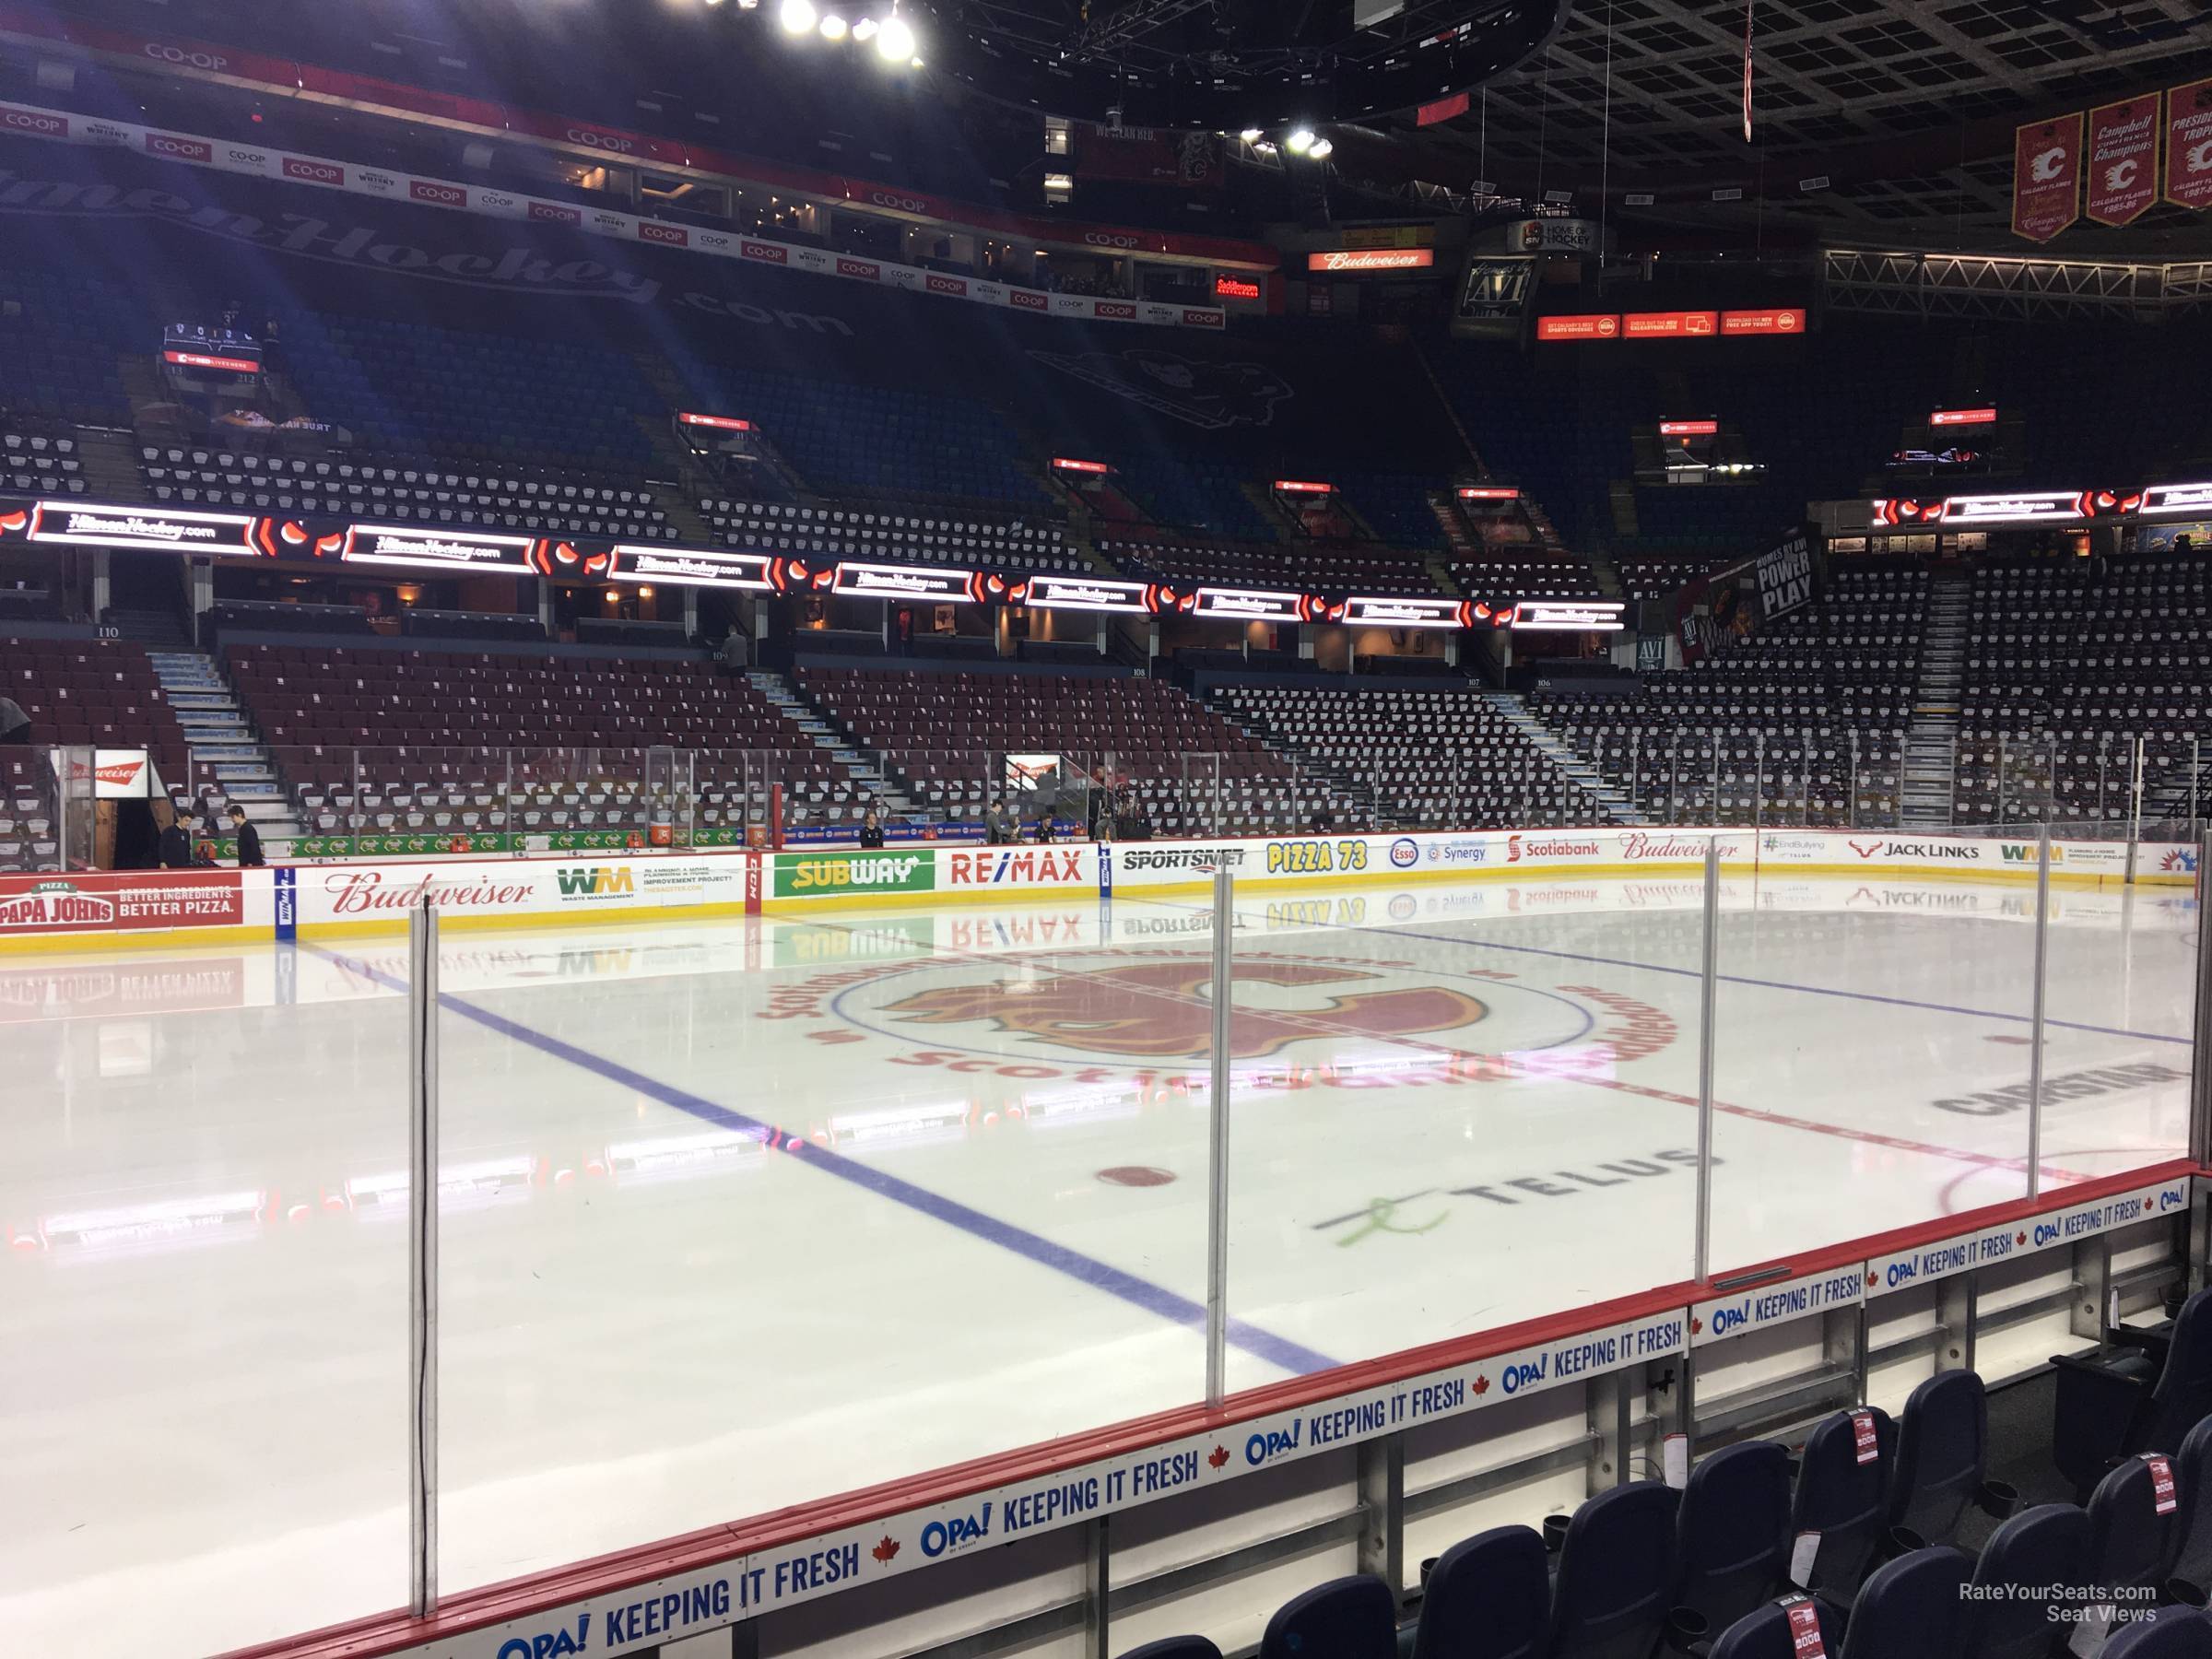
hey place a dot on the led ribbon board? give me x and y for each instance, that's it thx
(1088, 593)
(155, 529)
(1402, 612)
(904, 582)
(682, 569)
(436, 549)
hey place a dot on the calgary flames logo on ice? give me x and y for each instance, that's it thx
(1161, 1010)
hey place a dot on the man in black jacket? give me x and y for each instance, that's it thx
(249, 841)
(174, 847)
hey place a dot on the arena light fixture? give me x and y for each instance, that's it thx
(1300, 141)
(865, 30)
(797, 16)
(895, 41)
(833, 28)
(1252, 135)
(1322, 149)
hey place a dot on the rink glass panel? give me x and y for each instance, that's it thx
(1449, 1095)
(754, 1212)
(204, 1418)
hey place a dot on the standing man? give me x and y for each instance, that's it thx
(249, 840)
(174, 847)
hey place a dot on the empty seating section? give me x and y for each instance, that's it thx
(1802, 723)
(872, 442)
(1395, 506)
(943, 738)
(461, 395)
(1424, 759)
(1306, 568)
(560, 500)
(77, 692)
(38, 458)
(59, 334)
(442, 741)
(1503, 578)
(2068, 665)
(1646, 577)
(1197, 495)
(891, 534)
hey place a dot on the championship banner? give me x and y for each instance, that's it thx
(2124, 159)
(2046, 177)
(2189, 145)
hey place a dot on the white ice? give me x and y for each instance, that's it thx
(1453, 1108)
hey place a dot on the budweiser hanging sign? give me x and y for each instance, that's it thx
(2046, 177)
(2189, 145)
(2124, 159)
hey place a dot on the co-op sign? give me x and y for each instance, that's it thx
(185, 56)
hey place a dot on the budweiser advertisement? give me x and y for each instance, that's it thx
(2189, 145)
(104, 902)
(2046, 177)
(1351, 261)
(2124, 159)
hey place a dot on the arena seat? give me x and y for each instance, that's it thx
(2129, 1540)
(2167, 1633)
(1842, 1502)
(1731, 1536)
(1942, 1452)
(2019, 1588)
(1911, 1607)
(1766, 1632)
(1186, 560)
(1351, 1617)
(1487, 1597)
(2192, 1564)
(1615, 1583)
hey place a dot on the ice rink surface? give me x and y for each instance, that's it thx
(740, 1214)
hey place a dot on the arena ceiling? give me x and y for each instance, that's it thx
(1907, 107)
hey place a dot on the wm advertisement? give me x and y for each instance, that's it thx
(815, 874)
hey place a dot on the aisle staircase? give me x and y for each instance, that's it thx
(824, 733)
(1611, 799)
(225, 753)
(1931, 759)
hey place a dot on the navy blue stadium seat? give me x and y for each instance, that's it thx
(1942, 1450)
(2168, 1633)
(1615, 1578)
(1732, 1533)
(2143, 1397)
(1844, 1501)
(2025, 1568)
(1488, 1597)
(1911, 1608)
(1351, 1618)
(2130, 1542)
(1764, 1632)
(2192, 1562)
(1176, 1647)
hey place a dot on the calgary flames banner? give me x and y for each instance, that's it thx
(2046, 177)
(2189, 145)
(2124, 159)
